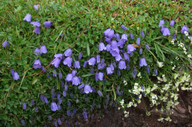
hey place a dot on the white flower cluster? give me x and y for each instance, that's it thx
(137, 90)
(181, 45)
(164, 93)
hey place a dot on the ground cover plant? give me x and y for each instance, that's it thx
(62, 59)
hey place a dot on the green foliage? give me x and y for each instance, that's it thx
(82, 23)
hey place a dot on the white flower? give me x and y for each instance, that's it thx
(186, 33)
(160, 64)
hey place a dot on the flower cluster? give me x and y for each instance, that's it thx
(37, 24)
(127, 58)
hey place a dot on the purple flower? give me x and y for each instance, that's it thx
(109, 70)
(81, 86)
(37, 30)
(36, 23)
(92, 71)
(87, 89)
(54, 106)
(60, 75)
(45, 99)
(60, 55)
(130, 48)
(126, 56)
(68, 113)
(134, 73)
(112, 67)
(23, 122)
(102, 46)
(58, 96)
(37, 64)
(118, 72)
(100, 76)
(122, 65)
(138, 41)
(5, 44)
(74, 72)
(66, 87)
(109, 33)
(184, 28)
(55, 123)
(161, 23)
(156, 72)
(98, 58)
(76, 81)
(59, 121)
(121, 43)
(142, 62)
(67, 61)
(27, 18)
(108, 40)
(172, 23)
(117, 36)
(140, 51)
(118, 57)
(96, 77)
(131, 36)
(32, 102)
(49, 117)
(54, 73)
(68, 52)
(124, 37)
(165, 31)
(36, 109)
(142, 34)
(114, 51)
(85, 64)
(108, 47)
(123, 27)
(37, 51)
(56, 62)
(14, 75)
(114, 44)
(69, 77)
(47, 24)
(92, 61)
(148, 70)
(85, 115)
(80, 55)
(101, 66)
(64, 93)
(43, 49)
(36, 7)
(147, 47)
(24, 106)
(42, 97)
(100, 93)
(174, 36)
(76, 64)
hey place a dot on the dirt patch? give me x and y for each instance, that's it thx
(181, 117)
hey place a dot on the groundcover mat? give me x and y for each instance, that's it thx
(95, 63)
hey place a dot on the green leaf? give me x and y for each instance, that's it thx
(88, 49)
(87, 75)
(159, 52)
(34, 81)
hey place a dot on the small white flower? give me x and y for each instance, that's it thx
(186, 33)
(160, 64)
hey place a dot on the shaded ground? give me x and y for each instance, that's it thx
(182, 116)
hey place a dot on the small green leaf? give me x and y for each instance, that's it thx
(88, 49)
(34, 81)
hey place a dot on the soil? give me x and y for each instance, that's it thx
(181, 117)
